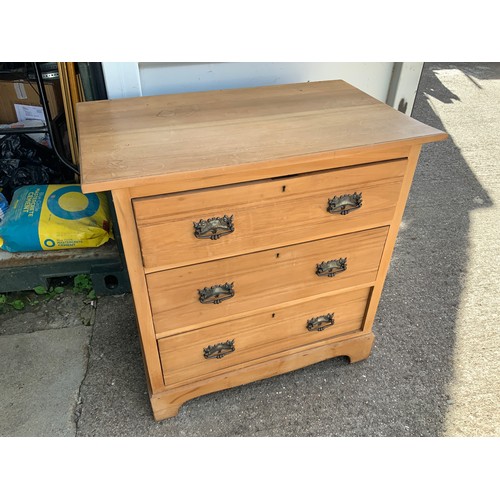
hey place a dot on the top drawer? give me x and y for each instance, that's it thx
(265, 214)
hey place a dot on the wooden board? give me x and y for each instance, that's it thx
(259, 335)
(125, 216)
(139, 141)
(265, 214)
(356, 347)
(260, 280)
(177, 182)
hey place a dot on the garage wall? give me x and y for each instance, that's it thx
(387, 81)
(162, 78)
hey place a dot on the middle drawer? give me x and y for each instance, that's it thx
(202, 294)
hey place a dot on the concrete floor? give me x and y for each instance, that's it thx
(69, 369)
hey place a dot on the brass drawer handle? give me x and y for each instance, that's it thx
(213, 228)
(344, 204)
(320, 323)
(218, 351)
(331, 268)
(216, 294)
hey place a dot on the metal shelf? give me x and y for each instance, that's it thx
(106, 264)
(48, 128)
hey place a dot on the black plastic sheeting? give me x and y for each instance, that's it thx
(24, 162)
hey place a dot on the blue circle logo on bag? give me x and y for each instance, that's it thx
(49, 243)
(70, 203)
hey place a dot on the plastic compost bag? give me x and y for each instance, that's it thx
(24, 162)
(55, 217)
(4, 205)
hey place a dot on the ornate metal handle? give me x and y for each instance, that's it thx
(218, 351)
(320, 323)
(331, 268)
(344, 204)
(216, 294)
(213, 228)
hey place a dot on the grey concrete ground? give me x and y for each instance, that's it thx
(435, 365)
(40, 379)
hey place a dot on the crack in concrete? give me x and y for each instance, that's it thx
(78, 408)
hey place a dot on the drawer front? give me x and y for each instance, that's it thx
(191, 297)
(257, 336)
(265, 214)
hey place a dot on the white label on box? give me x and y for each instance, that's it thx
(20, 90)
(25, 112)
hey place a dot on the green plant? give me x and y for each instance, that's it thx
(16, 304)
(3, 304)
(49, 293)
(82, 283)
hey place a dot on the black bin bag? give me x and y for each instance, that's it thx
(24, 162)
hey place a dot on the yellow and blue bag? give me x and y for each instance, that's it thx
(55, 217)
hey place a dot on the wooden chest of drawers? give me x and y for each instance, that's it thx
(258, 224)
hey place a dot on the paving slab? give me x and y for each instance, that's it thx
(40, 376)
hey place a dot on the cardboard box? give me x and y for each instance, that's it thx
(26, 93)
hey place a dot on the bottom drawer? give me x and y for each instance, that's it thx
(194, 354)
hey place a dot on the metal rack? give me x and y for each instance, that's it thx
(106, 264)
(48, 127)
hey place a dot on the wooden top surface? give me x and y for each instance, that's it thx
(142, 140)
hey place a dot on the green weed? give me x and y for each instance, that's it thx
(82, 283)
(5, 304)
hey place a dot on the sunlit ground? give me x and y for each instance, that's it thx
(473, 122)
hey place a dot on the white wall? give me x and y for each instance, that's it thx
(395, 83)
(169, 78)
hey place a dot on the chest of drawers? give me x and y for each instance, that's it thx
(257, 224)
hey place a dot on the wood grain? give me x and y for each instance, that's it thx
(124, 214)
(357, 348)
(66, 73)
(128, 142)
(266, 214)
(271, 157)
(260, 280)
(259, 335)
(391, 238)
(224, 176)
